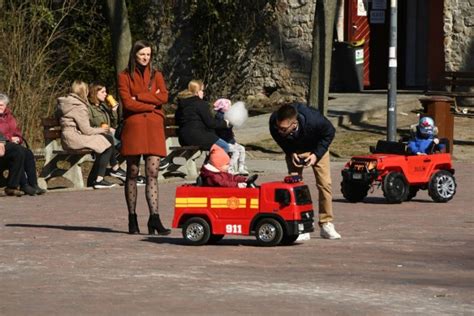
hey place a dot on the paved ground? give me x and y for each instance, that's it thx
(67, 253)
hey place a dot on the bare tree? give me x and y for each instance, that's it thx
(323, 30)
(28, 35)
(120, 30)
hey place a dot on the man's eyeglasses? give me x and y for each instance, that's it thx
(288, 128)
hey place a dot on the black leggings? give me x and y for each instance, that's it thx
(152, 165)
(101, 161)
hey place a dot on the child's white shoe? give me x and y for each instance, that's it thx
(243, 170)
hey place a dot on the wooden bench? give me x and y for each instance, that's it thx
(457, 84)
(60, 162)
(182, 158)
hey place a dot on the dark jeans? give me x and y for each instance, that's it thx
(14, 160)
(101, 161)
(29, 176)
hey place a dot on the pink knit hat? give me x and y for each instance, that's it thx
(218, 157)
(222, 104)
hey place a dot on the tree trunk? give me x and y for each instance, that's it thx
(323, 30)
(117, 15)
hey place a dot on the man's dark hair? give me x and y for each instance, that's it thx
(285, 112)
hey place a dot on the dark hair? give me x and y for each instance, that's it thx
(133, 53)
(285, 112)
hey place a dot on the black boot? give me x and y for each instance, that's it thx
(133, 224)
(154, 223)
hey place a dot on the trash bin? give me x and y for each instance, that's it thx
(347, 67)
(439, 109)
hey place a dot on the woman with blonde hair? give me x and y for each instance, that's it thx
(196, 124)
(77, 132)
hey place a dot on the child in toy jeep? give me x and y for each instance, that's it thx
(400, 173)
(275, 212)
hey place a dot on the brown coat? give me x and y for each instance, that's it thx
(144, 128)
(77, 132)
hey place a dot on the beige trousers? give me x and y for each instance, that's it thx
(322, 173)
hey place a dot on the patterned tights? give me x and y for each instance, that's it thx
(152, 164)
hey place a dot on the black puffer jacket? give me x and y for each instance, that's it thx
(196, 124)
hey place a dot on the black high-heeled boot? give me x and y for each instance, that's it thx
(154, 224)
(133, 224)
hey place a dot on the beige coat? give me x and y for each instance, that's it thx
(77, 132)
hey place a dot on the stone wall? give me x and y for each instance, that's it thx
(459, 35)
(271, 71)
(276, 68)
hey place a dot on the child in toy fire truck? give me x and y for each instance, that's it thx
(425, 141)
(215, 172)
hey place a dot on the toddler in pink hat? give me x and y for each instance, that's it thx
(236, 150)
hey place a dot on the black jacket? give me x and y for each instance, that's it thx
(315, 132)
(227, 133)
(196, 124)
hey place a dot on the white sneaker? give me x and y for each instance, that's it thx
(329, 232)
(243, 170)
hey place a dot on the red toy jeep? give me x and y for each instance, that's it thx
(276, 212)
(401, 175)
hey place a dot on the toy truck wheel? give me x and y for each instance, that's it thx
(354, 192)
(442, 186)
(215, 238)
(196, 231)
(289, 239)
(269, 232)
(395, 187)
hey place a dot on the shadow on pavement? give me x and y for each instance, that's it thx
(224, 242)
(71, 228)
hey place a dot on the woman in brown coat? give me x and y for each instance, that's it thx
(77, 132)
(143, 92)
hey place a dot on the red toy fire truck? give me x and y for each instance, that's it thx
(275, 212)
(401, 175)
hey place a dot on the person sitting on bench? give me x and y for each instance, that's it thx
(15, 144)
(425, 141)
(215, 173)
(77, 133)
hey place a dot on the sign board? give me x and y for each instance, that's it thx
(359, 56)
(379, 4)
(361, 7)
(377, 17)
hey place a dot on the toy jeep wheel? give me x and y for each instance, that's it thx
(215, 238)
(395, 187)
(354, 191)
(196, 231)
(412, 191)
(269, 232)
(442, 186)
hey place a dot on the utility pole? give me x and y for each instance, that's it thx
(323, 31)
(392, 75)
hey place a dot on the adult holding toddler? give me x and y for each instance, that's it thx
(77, 133)
(143, 92)
(197, 126)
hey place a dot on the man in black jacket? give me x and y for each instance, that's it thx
(12, 158)
(305, 135)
